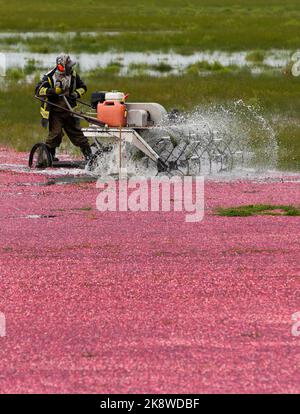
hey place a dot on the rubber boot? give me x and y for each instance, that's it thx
(52, 152)
(87, 152)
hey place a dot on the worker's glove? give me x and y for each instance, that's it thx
(58, 87)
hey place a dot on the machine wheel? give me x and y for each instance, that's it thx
(40, 156)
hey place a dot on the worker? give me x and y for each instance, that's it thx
(59, 85)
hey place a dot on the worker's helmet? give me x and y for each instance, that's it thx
(65, 64)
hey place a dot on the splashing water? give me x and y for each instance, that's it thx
(213, 140)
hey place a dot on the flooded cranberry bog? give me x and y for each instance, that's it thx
(129, 302)
(141, 302)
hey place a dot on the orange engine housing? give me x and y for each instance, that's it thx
(112, 113)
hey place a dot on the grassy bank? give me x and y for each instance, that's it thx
(278, 96)
(156, 25)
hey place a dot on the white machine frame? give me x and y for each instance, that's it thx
(129, 135)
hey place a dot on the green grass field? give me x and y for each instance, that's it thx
(180, 25)
(259, 209)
